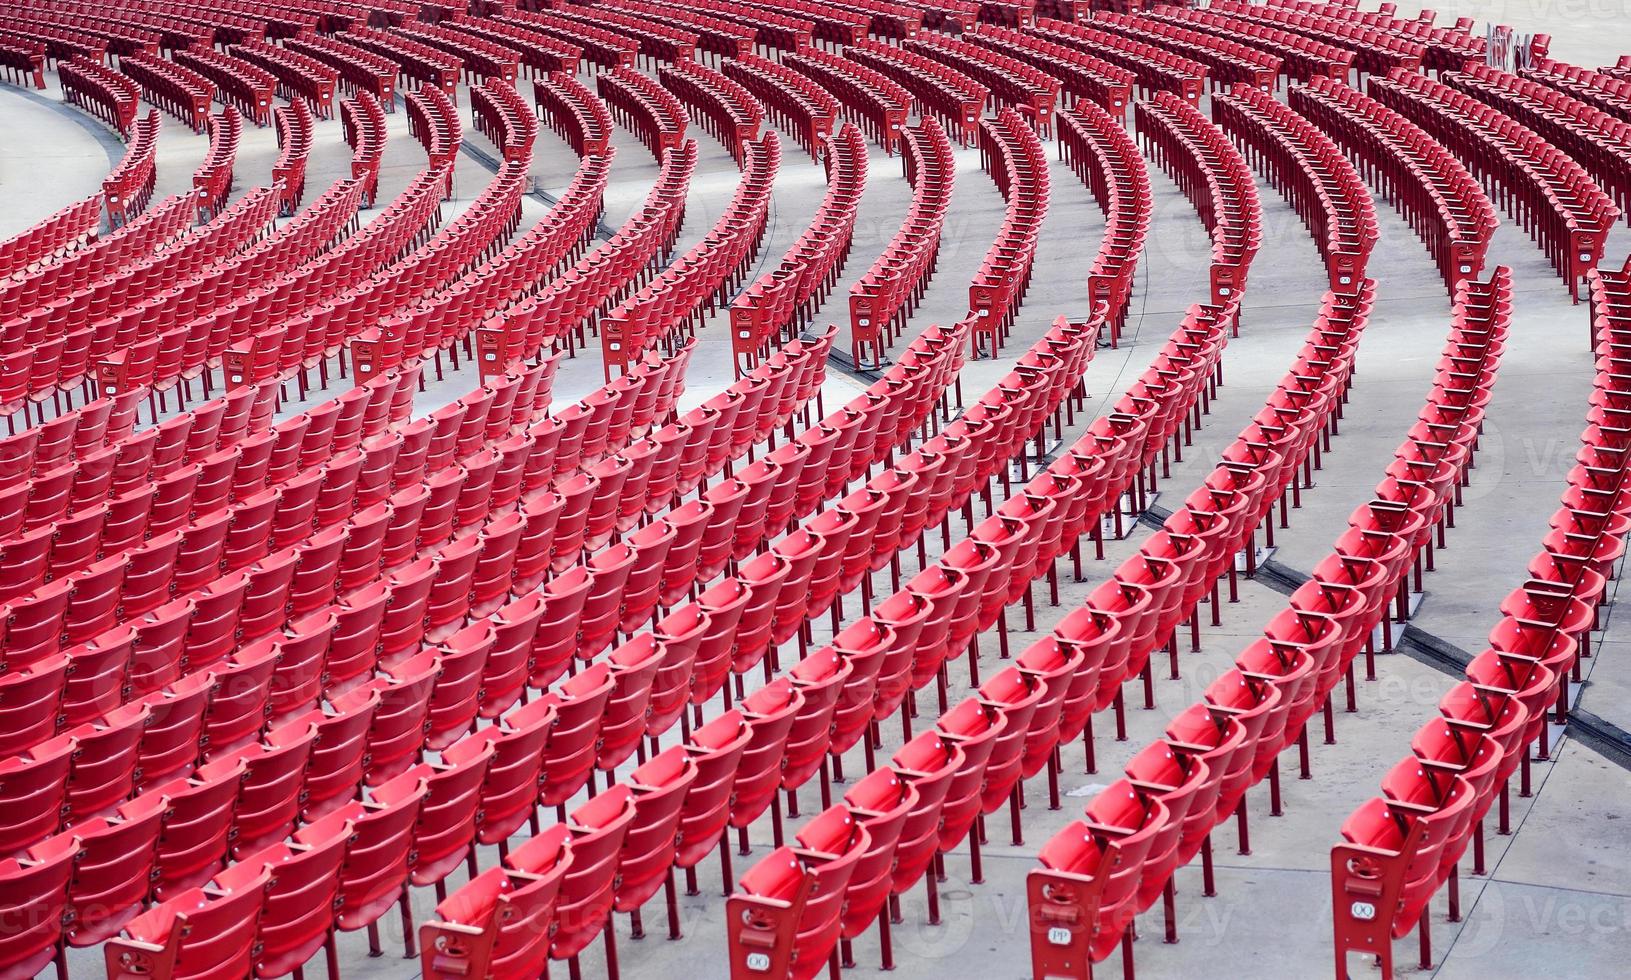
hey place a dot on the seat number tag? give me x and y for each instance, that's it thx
(1363, 911)
(1059, 936)
(759, 962)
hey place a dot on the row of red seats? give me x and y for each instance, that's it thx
(23, 61)
(297, 76)
(528, 261)
(1227, 61)
(482, 58)
(185, 553)
(413, 59)
(1606, 92)
(939, 90)
(1597, 141)
(1400, 848)
(38, 495)
(871, 100)
(159, 328)
(575, 115)
(1310, 171)
(504, 117)
(1551, 195)
(743, 753)
(1156, 69)
(688, 291)
(656, 42)
(1014, 156)
(791, 99)
(1009, 81)
(166, 264)
(784, 299)
(237, 82)
(1447, 48)
(599, 47)
(1105, 158)
(953, 16)
(540, 53)
(727, 111)
(58, 43)
(714, 35)
(58, 235)
(601, 278)
(644, 107)
(63, 438)
(882, 300)
(836, 24)
(278, 20)
(1431, 189)
(121, 39)
(212, 181)
(1081, 75)
(180, 91)
(295, 127)
(132, 242)
(436, 809)
(212, 24)
(1196, 154)
(434, 122)
(1376, 51)
(360, 69)
(171, 33)
(773, 29)
(1302, 58)
(362, 119)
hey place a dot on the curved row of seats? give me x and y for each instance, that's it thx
(784, 299)
(296, 128)
(1376, 51)
(574, 114)
(655, 42)
(1012, 153)
(1565, 212)
(539, 53)
(504, 117)
(599, 47)
(1606, 92)
(727, 110)
(57, 44)
(432, 120)
(409, 58)
(955, 99)
(1156, 69)
(180, 91)
(714, 35)
(871, 100)
(790, 99)
(53, 237)
(773, 30)
(479, 57)
(1444, 48)
(1302, 59)
(644, 107)
(101, 91)
(1228, 61)
(359, 68)
(1009, 81)
(239, 83)
(882, 300)
(1081, 75)
(1105, 158)
(296, 75)
(212, 181)
(1431, 189)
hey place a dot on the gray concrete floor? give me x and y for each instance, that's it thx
(1558, 895)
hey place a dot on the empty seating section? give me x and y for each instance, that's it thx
(602, 48)
(574, 114)
(237, 82)
(504, 117)
(728, 112)
(870, 99)
(1432, 190)
(1302, 58)
(792, 100)
(280, 659)
(884, 297)
(295, 127)
(1227, 62)
(1010, 82)
(1105, 158)
(359, 68)
(57, 235)
(180, 91)
(951, 96)
(1081, 75)
(295, 75)
(100, 91)
(1596, 140)
(640, 104)
(1311, 172)
(1015, 158)
(1156, 69)
(783, 299)
(212, 181)
(705, 275)
(1566, 213)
